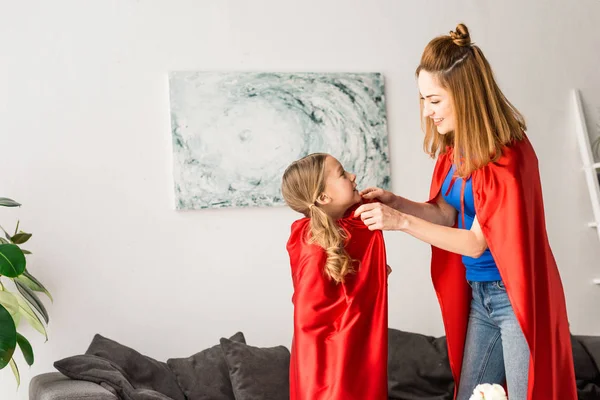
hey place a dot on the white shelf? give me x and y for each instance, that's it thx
(596, 281)
(590, 168)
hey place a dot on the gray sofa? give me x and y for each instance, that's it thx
(56, 386)
(232, 370)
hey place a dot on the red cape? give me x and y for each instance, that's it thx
(339, 349)
(510, 210)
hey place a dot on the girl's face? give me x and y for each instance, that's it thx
(340, 189)
(437, 103)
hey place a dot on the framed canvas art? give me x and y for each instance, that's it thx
(234, 133)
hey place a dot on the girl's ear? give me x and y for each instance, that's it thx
(323, 199)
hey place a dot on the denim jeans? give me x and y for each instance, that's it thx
(495, 349)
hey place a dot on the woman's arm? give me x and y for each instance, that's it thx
(469, 243)
(465, 242)
(437, 212)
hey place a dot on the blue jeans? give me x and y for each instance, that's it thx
(495, 348)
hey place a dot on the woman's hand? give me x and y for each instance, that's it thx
(378, 216)
(387, 198)
(389, 269)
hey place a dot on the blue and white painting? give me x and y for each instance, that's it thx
(234, 133)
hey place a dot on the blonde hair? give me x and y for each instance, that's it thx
(485, 120)
(303, 181)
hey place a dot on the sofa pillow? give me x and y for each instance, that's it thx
(205, 376)
(141, 371)
(106, 374)
(583, 346)
(586, 357)
(418, 367)
(257, 373)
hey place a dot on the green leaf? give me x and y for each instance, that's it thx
(32, 298)
(25, 348)
(17, 318)
(6, 202)
(25, 251)
(32, 283)
(8, 337)
(37, 285)
(15, 370)
(20, 238)
(2, 240)
(10, 302)
(12, 260)
(6, 233)
(31, 316)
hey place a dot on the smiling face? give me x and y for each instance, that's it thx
(437, 103)
(340, 189)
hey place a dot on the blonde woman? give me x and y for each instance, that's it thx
(339, 349)
(497, 282)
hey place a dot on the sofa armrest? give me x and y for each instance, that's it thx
(56, 386)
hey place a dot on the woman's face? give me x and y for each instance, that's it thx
(437, 103)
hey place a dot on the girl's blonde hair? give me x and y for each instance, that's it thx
(303, 182)
(485, 120)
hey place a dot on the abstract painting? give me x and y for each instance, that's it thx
(234, 133)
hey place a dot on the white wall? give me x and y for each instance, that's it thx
(85, 146)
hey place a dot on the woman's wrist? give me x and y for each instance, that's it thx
(403, 222)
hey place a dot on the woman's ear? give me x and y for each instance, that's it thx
(323, 199)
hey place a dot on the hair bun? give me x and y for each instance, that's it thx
(461, 37)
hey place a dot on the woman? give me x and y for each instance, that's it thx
(506, 320)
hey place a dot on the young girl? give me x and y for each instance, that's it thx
(339, 349)
(496, 279)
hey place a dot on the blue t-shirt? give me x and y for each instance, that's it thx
(482, 269)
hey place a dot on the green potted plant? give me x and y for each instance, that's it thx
(21, 302)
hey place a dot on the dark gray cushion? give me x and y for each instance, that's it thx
(122, 371)
(586, 357)
(257, 373)
(204, 376)
(142, 372)
(585, 370)
(105, 373)
(418, 367)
